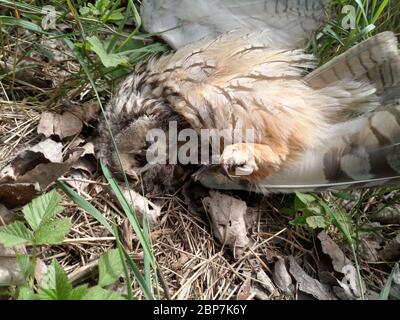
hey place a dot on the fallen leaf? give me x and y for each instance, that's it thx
(227, 217)
(141, 206)
(330, 248)
(6, 216)
(388, 215)
(40, 270)
(10, 271)
(62, 125)
(245, 290)
(391, 251)
(282, 278)
(308, 284)
(259, 294)
(350, 282)
(85, 112)
(263, 278)
(266, 282)
(369, 249)
(32, 171)
(127, 234)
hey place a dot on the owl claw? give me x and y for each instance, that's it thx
(238, 160)
(225, 170)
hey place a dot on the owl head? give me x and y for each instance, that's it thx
(130, 141)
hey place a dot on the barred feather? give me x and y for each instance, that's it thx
(335, 128)
(360, 152)
(288, 20)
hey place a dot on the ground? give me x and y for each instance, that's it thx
(39, 74)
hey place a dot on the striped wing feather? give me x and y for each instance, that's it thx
(187, 21)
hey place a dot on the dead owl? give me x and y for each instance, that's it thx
(242, 66)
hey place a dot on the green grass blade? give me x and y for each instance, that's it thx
(130, 215)
(141, 281)
(85, 205)
(384, 294)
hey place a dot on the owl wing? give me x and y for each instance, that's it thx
(363, 151)
(224, 82)
(181, 22)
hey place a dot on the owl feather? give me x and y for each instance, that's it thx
(332, 128)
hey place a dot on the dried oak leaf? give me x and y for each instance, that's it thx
(308, 284)
(32, 171)
(62, 125)
(330, 248)
(227, 215)
(282, 278)
(86, 112)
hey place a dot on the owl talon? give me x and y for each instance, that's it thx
(237, 161)
(225, 171)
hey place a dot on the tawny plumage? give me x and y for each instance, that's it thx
(335, 127)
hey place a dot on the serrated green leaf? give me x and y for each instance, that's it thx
(315, 222)
(24, 264)
(288, 211)
(305, 198)
(342, 221)
(98, 293)
(53, 232)
(26, 293)
(15, 234)
(79, 292)
(109, 60)
(114, 16)
(42, 209)
(55, 284)
(298, 221)
(84, 11)
(110, 268)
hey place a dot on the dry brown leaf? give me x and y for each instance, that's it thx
(266, 282)
(282, 278)
(330, 248)
(6, 216)
(32, 171)
(62, 125)
(245, 290)
(227, 216)
(391, 251)
(86, 112)
(40, 270)
(141, 206)
(388, 215)
(262, 277)
(10, 271)
(369, 249)
(127, 234)
(307, 284)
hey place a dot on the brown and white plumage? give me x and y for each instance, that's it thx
(334, 127)
(187, 21)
